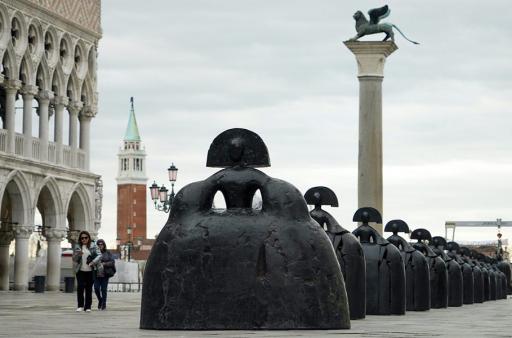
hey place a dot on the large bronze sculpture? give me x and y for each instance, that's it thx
(455, 283)
(468, 288)
(347, 247)
(365, 27)
(477, 275)
(242, 268)
(438, 271)
(385, 272)
(416, 268)
(476, 256)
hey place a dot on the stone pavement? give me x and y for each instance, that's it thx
(27, 314)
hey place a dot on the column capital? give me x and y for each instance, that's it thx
(22, 232)
(88, 112)
(371, 56)
(74, 107)
(6, 237)
(60, 100)
(12, 85)
(52, 234)
(45, 95)
(29, 90)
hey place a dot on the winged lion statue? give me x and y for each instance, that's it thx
(365, 27)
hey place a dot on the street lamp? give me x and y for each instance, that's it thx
(162, 200)
(129, 243)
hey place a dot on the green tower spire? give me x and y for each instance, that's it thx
(132, 131)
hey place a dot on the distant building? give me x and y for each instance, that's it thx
(131, 194)
(48, 101)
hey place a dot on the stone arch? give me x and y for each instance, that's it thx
(65, 52)
(35, 39)
(58, 82)
(49, 203)
(51, 46)
(15, 199)
(78, 209)
(91, 63)
(18, 27)
(4, 24)
(43, 76)
(9, 66)
(80, 63)
(26, 74)
(73, 88)
(87, 95)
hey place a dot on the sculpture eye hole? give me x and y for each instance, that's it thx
(257, 201)
(219, 202)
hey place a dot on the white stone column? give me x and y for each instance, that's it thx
(44, 102)
(21, 235)
(53, 237)
(5, 240)
(28, 93)
(371, 57)
(59, 102)
(85, 135)
(73, 109)
(11, 88)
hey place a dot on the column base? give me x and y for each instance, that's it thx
(21, 287)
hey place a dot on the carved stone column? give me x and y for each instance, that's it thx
(11, 88)
(28, 93)
(54, 237)
(21, 235)
(59, 102)
(86, 116)
(5, 240)
(371, 57)
(73, 109)
(44, 102)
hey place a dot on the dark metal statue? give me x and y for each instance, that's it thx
(480, 258)
(504, 267)
(347, 247)
(468, 284)
(438, 271)
(477, 275)
(385, 271)
(416, 268)
(365, 27)
(242, 268)
(455, 283)
(492, 277)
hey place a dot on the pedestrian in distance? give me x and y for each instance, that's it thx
(83, 255)
(105, 268)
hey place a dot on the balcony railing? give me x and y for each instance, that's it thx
(70, 158)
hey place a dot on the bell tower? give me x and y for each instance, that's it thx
(131, 186)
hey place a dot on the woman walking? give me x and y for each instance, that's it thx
(83, 257)
(105, 268)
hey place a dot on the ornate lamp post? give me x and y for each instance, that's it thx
(129, 243)
(163, 201)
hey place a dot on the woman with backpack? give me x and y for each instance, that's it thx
(105, 268)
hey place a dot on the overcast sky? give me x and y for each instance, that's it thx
(279, 68)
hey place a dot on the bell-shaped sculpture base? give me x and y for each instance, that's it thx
(242, 269)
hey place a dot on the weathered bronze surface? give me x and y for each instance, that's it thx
(242, 268)
(455, 284)
(385, 271)
(416, 268)
(365, 27)
(348, 249)
(438, 271)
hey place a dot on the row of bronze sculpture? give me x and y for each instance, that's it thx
(276, 267)
(430, 273)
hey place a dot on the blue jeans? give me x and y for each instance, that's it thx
(100, 288)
